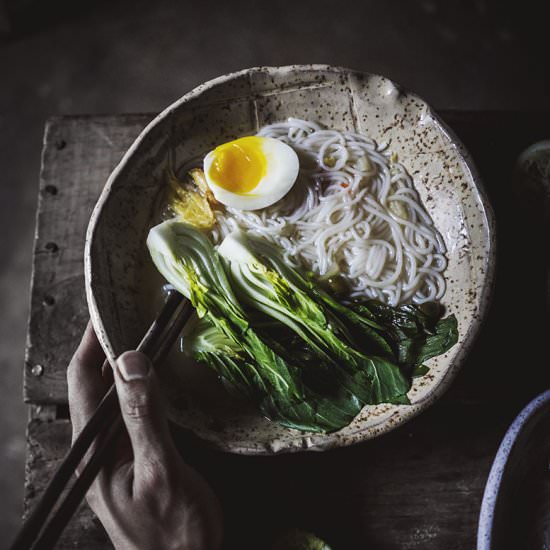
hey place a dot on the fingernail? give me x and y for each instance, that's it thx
(133, 366)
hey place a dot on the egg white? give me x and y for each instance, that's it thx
(281, 173)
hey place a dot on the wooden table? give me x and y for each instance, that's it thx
(417, 487)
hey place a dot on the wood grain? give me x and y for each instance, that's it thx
(78, 155)
(417, 487)
(47, 443)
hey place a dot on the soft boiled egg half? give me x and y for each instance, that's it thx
(251, 172)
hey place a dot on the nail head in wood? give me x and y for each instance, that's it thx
(37, 370)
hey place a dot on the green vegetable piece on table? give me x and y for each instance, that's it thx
(296, 539)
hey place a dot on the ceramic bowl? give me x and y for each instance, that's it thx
(121, 284)
(515, 511)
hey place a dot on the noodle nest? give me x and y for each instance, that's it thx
(353, 214)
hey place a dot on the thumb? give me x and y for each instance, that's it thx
(142, 411)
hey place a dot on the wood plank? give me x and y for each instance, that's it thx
(412, 489)
(415, 488)
(78, 155)
(47, 443)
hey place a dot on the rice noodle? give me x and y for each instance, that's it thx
(353, 212)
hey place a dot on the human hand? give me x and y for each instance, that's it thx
(146, 497)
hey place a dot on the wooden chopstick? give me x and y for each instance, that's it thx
(105, 424)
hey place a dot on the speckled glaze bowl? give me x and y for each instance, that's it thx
(515, 511)
(122, 287)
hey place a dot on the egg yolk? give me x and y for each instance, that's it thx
(239, 165)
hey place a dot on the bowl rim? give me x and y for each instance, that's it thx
(485, 295)
(499, 467)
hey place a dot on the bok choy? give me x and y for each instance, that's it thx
(306, 360)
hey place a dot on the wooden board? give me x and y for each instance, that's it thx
(79, 154)
(417, 487)
(47, 443)
(411, 489)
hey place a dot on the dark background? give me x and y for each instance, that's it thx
(60, 57)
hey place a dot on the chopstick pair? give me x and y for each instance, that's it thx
(50, 516)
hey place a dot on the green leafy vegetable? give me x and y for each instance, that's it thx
(296, 539)
(307, 361)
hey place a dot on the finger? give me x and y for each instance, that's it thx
(143, 414)
(86, 385)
